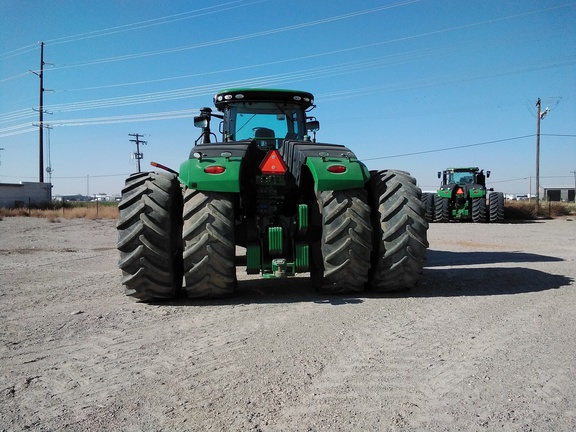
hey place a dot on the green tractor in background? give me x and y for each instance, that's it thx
(463, 196)
(292, 204)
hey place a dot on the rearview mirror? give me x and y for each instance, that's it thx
(200, 122)
(313, 125)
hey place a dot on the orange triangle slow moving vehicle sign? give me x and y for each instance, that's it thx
(273, 163)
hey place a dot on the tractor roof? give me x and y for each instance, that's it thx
(468, 169)
(224, 97)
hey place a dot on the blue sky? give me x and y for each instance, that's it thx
(406, 84)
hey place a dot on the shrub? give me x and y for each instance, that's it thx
(527, 209)
(88, 210)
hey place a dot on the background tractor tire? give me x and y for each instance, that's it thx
(479, 209)
(149, 236)
(442, 209)
(429, 201)
(209, 248)
(496, 206)
(340, 259)
(399, 231)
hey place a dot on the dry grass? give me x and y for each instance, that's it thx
(85, 211)
(527, 209)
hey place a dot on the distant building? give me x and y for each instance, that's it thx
(518, 197)
(24, 194)
(68, 198)
(564, 194)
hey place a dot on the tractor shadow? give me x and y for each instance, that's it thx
(449, 274)
(446, 274)
(275, 291)
(455, 282)
(435, 258)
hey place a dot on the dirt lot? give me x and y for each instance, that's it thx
(486, 342)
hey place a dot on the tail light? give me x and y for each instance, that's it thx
(336, 169)
(214, 169)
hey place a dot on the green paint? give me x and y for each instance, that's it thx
(194, 176)
(355, 176)
(253, 258)
(275, 240)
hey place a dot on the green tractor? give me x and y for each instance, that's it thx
(463, 196)
(268, 190)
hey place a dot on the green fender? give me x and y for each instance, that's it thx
(355, 176)
(445, 193)
(193, 174)
(477, 192)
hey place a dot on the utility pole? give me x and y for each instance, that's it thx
(539, 116)
(1, 149)
(41, 117)
(537, 156)
(138, 156)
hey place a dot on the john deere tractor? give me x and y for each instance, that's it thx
(463, 196)
(293, 205)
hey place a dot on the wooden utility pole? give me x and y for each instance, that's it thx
(138, 156)
(538, 156)
(3, 149)
(41, 118)
(539, 116)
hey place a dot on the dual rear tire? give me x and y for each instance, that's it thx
(371, 238)
(496, 203)
(164, 237)
(374, 238)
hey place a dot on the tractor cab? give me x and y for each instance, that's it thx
(463, 176)
(267, 117)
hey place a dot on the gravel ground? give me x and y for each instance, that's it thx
(485, 342)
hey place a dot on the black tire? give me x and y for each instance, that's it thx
(150, 236)
(442, 209)
(496, 206)
(209, 248)
(400, 232)
(341, 258)
(429, 202)
(479, 209)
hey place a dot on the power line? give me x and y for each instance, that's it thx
(450, 148)
(309, 24)
(400, 60)
(129, 27)
(277, 30)
(76, 177)
(241, 37)
(149, 23)
(316, 73)
(307, 74)
(527, 178)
